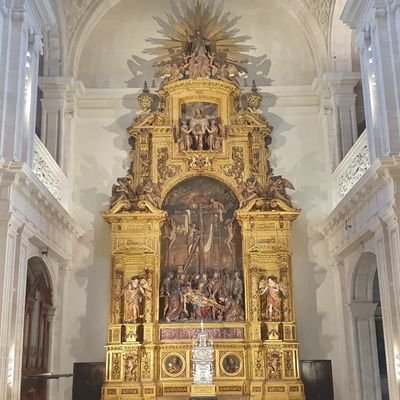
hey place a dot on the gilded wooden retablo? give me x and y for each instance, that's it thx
(201, 229)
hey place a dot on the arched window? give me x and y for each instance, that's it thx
(38, 313)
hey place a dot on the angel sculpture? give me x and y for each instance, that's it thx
(150, 191)
(276, 189)
(250, 190)
(122, 190)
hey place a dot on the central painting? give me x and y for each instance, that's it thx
(201, 254)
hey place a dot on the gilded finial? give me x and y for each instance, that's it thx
(145, 99)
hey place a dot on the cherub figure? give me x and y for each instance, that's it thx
(251, 190)
(276, 189)
(151, 192)
(122, 190)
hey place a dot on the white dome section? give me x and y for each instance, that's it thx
(282, 52)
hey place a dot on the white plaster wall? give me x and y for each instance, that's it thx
(282, 56)
(298, 153)
(99, 157)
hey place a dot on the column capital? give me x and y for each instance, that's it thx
(343, 82)
(362, 310)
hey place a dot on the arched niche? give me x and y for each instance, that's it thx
(39, 311)
(364, 300)
(201, 254)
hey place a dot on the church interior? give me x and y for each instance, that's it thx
(198, 199)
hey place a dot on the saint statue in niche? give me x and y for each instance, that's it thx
(201, 267)
(134, 294)
(271, 295)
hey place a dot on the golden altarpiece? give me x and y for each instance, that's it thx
(201, 229)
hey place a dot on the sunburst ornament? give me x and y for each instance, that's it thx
(199, 40)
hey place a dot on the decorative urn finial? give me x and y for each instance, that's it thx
(254, 98)
(145, 99)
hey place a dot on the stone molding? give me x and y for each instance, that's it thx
(90, 100)
(20, 188)
(343, 227)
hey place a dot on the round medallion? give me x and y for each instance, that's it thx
(231, 364)
(173, 365)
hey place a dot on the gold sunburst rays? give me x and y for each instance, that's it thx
(206, 19)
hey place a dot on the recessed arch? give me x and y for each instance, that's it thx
(39, 311)
(363, 277)
(363, 292)
(340, 41)
(314, 42)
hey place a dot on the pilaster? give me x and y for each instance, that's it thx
(338, 101)
(9, 251)
(14, 100)
(59, 104)
(377, 23)
(386, 249)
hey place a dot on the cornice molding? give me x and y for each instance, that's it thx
(91, 100)
(19, 177)
(383, 171)
(355, 12)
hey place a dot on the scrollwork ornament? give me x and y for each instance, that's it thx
(354, 171)
(116, 366)
(200, 162)
(236, 169)
(288, 359)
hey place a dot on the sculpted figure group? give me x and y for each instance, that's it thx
(198, 62)
(135, 293)
(199, 133)
(124, 195)
(275, 189)
(209, 296)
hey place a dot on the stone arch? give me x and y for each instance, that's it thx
(340, 41)
(297, 9)
(363, 342)
(39, 311)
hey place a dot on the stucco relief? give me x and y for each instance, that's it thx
(321, 10)
(75, 11)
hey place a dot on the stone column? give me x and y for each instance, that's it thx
(338, 101)
(18, 309)
(9, 253)
(35, 47)
(12, 75)
(388, 263)
(364, 334)
(58, 116)
(377, 23)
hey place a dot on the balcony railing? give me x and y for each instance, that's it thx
(351, 169)
(48, 172)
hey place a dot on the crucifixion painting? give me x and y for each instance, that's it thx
(201, 270)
